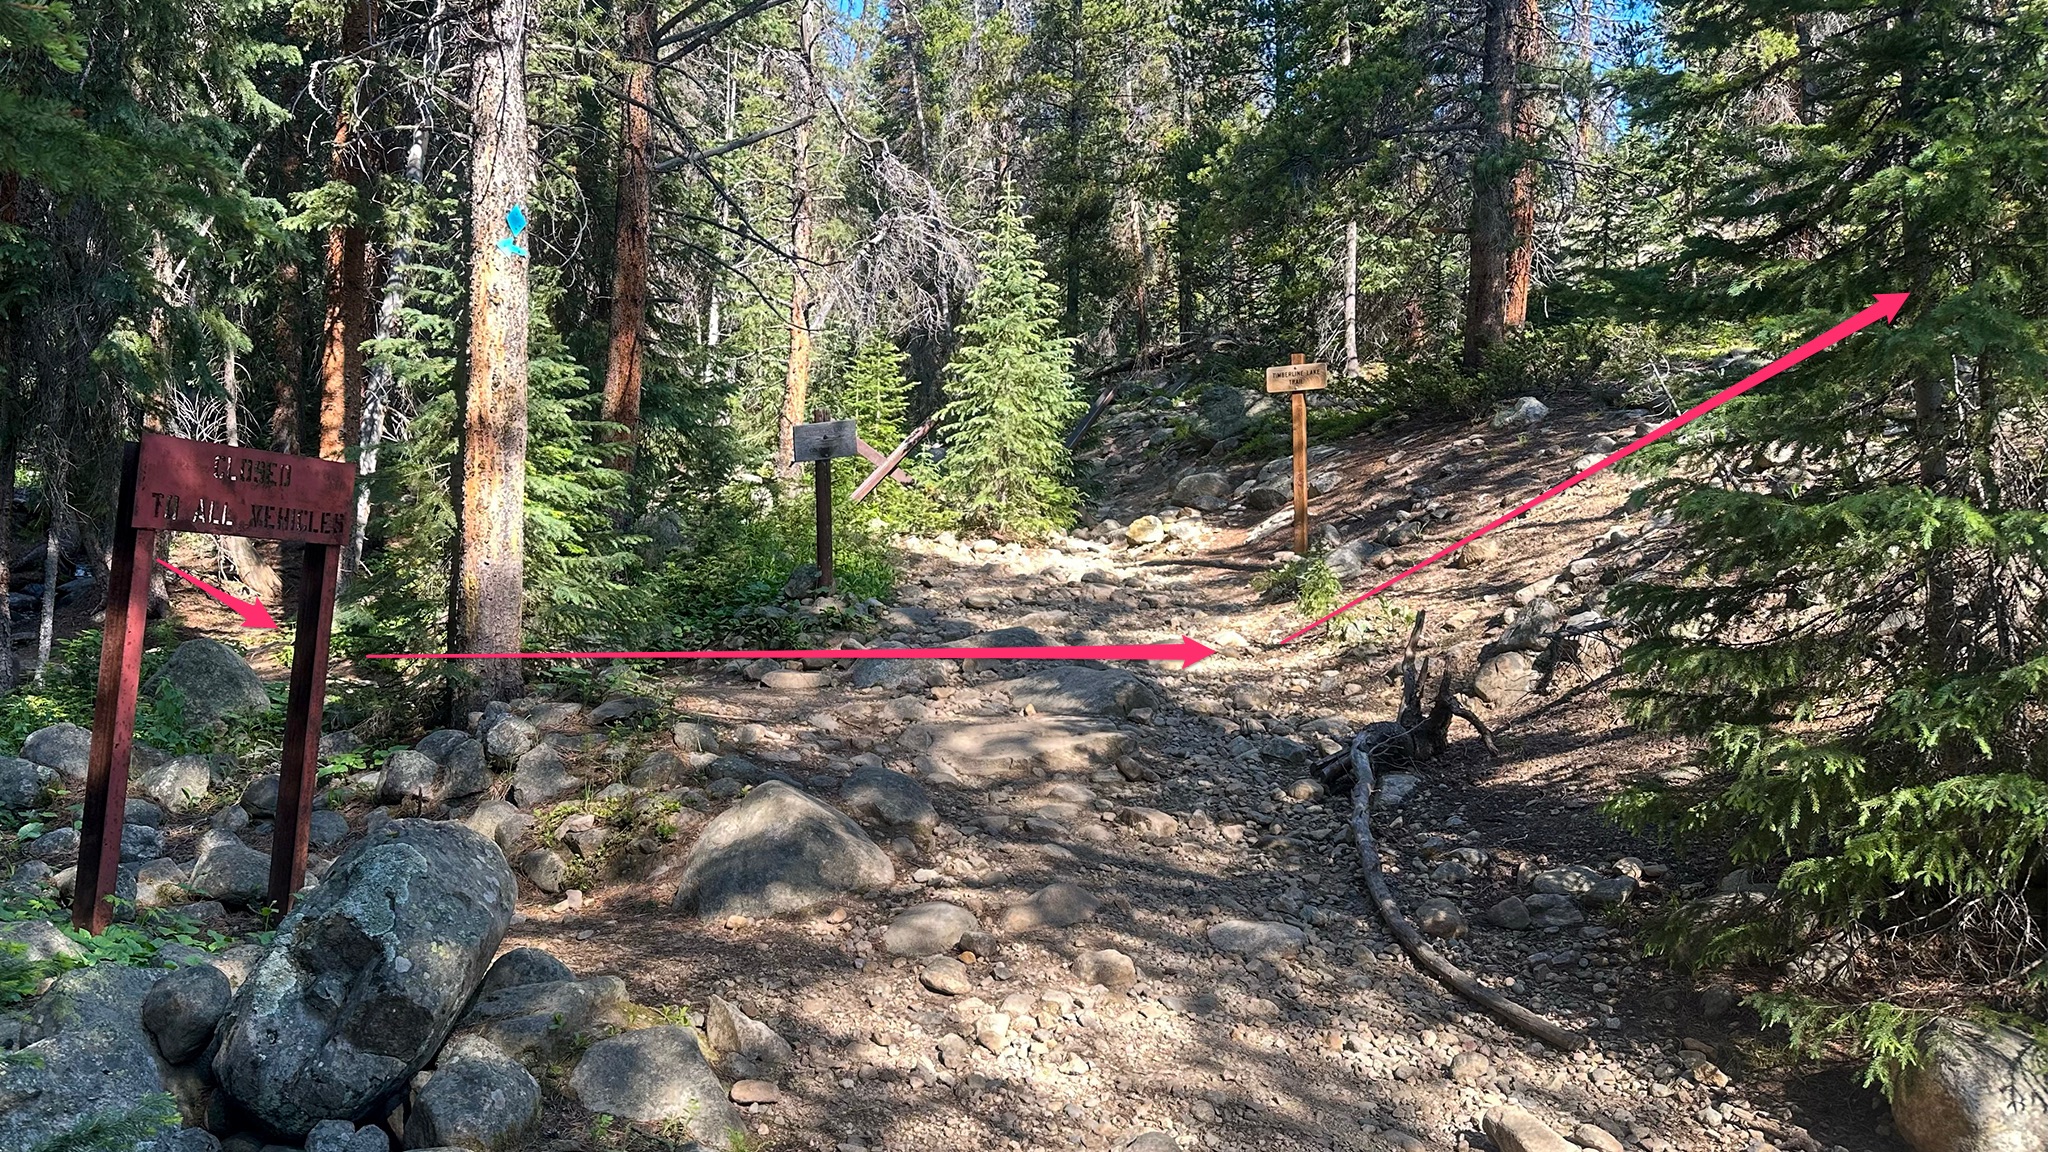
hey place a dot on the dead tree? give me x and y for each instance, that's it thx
(1416, 736)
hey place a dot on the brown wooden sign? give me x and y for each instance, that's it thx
(1297, 377)
(825, 440)
(189, 486)
(185, 485)
(818, 444)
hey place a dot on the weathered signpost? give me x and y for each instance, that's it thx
(168, 484)
(1297, 379)
(819, 444)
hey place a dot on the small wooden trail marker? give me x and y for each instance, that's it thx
(818, 444)
(1296, 379)
(168, 484)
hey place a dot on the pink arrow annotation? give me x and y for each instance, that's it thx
(1886, 308)
(1188, 650)
(252, 612)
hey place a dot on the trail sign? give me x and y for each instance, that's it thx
(826, 440)
(818, 444)
(1297, 378)
(188, 486)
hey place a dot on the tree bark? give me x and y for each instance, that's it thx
(8, 448)
(379, 383)
(348, 260)
(1503, 224)
(635, 238)
(490, 565)
(796, 385)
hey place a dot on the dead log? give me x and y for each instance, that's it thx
(1410, 938)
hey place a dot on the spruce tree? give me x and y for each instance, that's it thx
(1011, 392)
(873, 393)
(1853, 633)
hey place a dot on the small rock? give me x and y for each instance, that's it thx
(1107, 967)
(657, 1076)
(1513, 1130)
(1470, 1067)
(993, 1030)
(945, 975)
(478, 1098)
(928, 929)
(1523, 412)
(1596, 1138)
(1510, 913)
(1258, 939)
(64, 748)
(1553, 910)
(182, 1010)
(1053, 906)
(1146, 530)
(755, 1092)
(1440, 918)
(731, 1030)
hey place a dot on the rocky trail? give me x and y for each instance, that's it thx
(925, 904)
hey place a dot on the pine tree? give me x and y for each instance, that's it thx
(1011, 389)
(1856, 636)
(873, 393)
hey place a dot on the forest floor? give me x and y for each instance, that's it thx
(1342, 1045)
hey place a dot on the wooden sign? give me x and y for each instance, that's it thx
(826, 440)
(189, 486)
(1297, 377)
(818, 444)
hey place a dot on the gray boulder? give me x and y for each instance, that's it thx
(657, 1076)
(181, 784)
(523, 966)
(537, 1024)
(1354, 559)
(888, 798)
(1220, 412)
(342, 1136)
(412, 776)
(901, 675)
(1201, 485)
(230, 871)
(478, 1098)
(927, 929)
(1978, 1090)
(366, 976)
(1074, 690)
(184, 1008)
(438, 744)
(39, 941)
(84, 1059)
(732, 1031)
(509, 738)
(21, 786)
(778, 851)
(65, 749)
(259, 799)
(541, 776)
(212, 681)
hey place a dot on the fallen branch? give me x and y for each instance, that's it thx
(1403, 930)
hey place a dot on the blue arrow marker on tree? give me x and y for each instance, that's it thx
(515, 219)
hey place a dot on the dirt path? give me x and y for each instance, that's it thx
(1197, 812)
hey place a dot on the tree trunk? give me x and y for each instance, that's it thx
(1071, 324)
(796, 385)
(635, 237)
(55, 497)
(1142, 303)
(379, 384)
(8, 447)
(348, 268)
(490, 565)
(1503, 224)
(1350, 256)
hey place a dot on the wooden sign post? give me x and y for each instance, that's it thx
(168, 484)
(819, 444)
(1297, 379)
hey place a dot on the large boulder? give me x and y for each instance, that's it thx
(657, 1076)
(539, 1023)
(888, 798)
(477, 1098)
(180, 784)
(1978, 1089)
(1074, 690)
(212, 681)
(1220, 412)
(230, 871)
(65, 749)
(184, 1008)
(21, 785)
(86, 1060)
(779, 850)
(366, 976)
